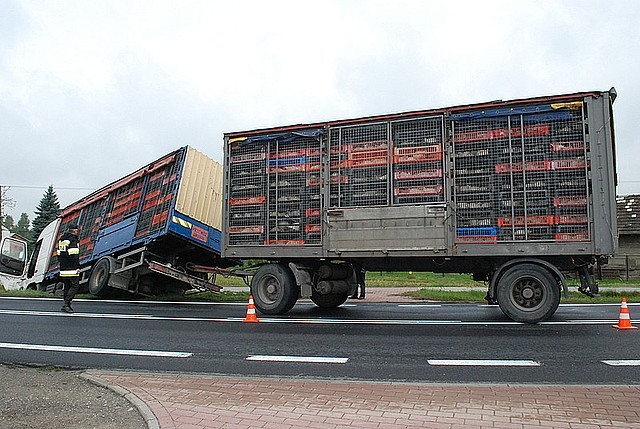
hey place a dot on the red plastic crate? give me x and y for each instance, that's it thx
(569, 164)
(254, 229)
(501, 133)
(312, 212)
(371, 162)
(574, 236)
(530, 221)
(288, 153)
(298, 168)
(368, 154)
(257, 156)
(571, 220)
(284, 242)
(247, 201)
(516, 167)
(569, 201)
(417, 191)
(418, 174)
(312, 229)
(314, 181)
(567, 146)
(368, 146)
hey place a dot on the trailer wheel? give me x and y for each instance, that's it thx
(99, 278)
(274, 289)
(528, 293)
(330, 300)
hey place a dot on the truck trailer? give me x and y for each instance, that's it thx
(516, 193)
(140, 234)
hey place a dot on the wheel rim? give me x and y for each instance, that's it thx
(269, 290)
(97, 279)
(527, 293)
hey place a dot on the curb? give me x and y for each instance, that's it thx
(144, 410)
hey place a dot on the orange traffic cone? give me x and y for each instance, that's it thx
(251, 311)
(624, 322)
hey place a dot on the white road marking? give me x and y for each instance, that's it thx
(420, 305)
(302, 359)
(71, 349)
(631, 362)
(481, 362)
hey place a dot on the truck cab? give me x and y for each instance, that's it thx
(13, 260)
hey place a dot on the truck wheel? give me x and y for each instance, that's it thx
(330, 300)
(274, 289)
(528, 293)
(99, 278)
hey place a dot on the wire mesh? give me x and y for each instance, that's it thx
(521, 177)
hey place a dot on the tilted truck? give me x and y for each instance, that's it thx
(141, 233)
(516, 193)
(13, 259)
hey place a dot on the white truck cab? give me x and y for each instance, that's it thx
(13, 260)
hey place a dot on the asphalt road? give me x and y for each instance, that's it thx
(373, 341)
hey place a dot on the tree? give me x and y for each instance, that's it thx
(47, 211)
(22, 227)
(9, 223)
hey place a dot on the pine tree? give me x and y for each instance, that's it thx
(22, 227)
(47, 210)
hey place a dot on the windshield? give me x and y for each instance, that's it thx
(13, 255)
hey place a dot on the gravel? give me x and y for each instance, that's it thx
(46, 397)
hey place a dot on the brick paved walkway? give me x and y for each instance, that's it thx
(206, 401)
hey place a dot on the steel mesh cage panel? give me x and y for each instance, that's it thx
(418, 161)
(123, 202)
(294, 172)
(359, 168)
(247, 194)
(521, 177)
(282, 206)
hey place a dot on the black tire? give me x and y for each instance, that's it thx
(528, 293)
(99, 278)
(330, 300)
(274, 289)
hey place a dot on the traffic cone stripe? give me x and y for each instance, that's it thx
(624, 320)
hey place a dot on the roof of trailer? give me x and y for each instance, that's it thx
(415, 113)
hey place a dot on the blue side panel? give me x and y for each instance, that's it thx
(195, 231)
(115, 237)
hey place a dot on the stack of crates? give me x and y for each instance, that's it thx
(521, 175)
(159, 195)
(387, 163)
(275, 188)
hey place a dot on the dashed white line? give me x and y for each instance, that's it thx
(301, 359)
(481, 362)
(629, 362)
(72, 349)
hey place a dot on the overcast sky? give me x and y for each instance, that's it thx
(93, 90)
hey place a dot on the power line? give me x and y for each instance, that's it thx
(46, 187)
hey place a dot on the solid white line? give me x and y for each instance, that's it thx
(631, 362)
(420, 305)
(480, 362)
(303, 359)
(48, 348)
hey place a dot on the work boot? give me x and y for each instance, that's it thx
(67, 308)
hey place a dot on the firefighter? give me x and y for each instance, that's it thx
(69, 258)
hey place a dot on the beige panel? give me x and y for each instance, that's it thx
(200, 192)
